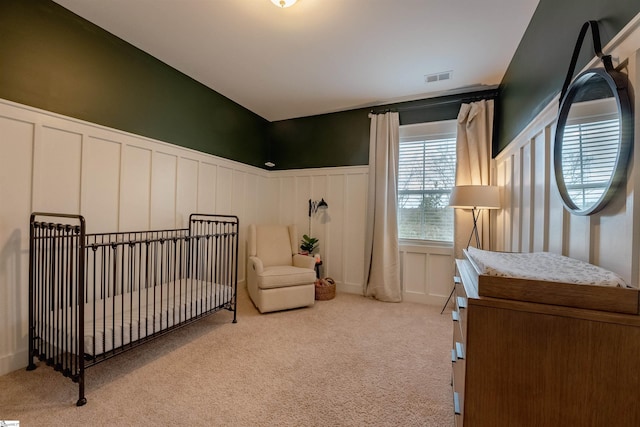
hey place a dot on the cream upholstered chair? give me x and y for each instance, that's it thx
(278, 278)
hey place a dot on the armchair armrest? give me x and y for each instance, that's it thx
(257, 265)
(304, 261)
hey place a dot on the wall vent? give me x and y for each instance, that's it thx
(437, 77)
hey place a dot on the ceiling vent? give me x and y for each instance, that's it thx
(438, 77)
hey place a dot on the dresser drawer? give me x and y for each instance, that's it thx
(459, 367)
(458, 351)
(461, 308)
(458, 334)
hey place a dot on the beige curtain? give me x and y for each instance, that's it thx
(382, 254)
(473, 151)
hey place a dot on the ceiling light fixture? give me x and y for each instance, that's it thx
(284, 3)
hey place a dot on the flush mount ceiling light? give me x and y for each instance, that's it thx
(284, 3)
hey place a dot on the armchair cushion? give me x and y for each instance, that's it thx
(273, 245)
(285, 276)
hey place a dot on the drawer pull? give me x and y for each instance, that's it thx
(455, 315)
(454, 357)
(462, 302)
(456, 403)
(460, 350)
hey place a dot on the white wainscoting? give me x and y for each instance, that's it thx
(533, 217)
(124, 182)
(340, 228)
(427, 272)
(118, 181)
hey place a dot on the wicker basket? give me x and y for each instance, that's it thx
(325, 289)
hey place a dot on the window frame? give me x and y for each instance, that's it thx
(444, 129)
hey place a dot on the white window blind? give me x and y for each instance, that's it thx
(589, 154)
(426, 176)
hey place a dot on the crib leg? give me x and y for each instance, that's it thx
(81, 399)
(31, 365)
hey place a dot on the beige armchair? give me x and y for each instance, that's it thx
(278, 278)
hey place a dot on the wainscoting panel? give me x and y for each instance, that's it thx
(224, 189)
(558, 215)
(207, 187)
(57, 162)
(533, 217)
(100, 198)
(414, 272)
(335, 222)
(355, 217)
(187, 198)
(340, 228)
(118, 181)
(540, 145)
(16, 158)
(163, 191)
(302, 193)
(135, 190)
(238, 196)
(526, 196)
(427, 273)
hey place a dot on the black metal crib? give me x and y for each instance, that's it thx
(93, 296)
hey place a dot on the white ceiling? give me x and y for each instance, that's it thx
(321, 56)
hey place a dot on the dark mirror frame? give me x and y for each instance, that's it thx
(618, 83)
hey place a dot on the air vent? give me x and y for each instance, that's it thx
(437, 77)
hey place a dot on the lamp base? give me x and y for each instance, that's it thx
(474, 231)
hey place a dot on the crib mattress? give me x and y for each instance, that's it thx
(548, 278)
(122, 319)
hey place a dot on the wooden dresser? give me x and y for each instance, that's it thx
(522, 363)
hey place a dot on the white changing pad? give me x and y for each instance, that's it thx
(543, 266)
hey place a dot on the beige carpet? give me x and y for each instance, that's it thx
(350, 361)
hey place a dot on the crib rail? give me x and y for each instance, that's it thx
(93, 296)
(56, 267)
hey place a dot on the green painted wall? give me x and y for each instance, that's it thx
(54, 60)
(57, 61)
(538, 68)
(342, 139)
(337, 139)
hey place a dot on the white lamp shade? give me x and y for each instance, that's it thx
(475, 196)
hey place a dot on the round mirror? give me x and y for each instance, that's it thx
(593, 138)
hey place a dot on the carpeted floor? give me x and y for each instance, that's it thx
(350, 361)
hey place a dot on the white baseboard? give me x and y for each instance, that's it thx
(13, 362)
(349, 288)
(356, 288)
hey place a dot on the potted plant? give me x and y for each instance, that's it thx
(309, 244)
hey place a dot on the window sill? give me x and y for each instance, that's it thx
(426, 247)
(425, 243)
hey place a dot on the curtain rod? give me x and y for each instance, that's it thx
(462, 100)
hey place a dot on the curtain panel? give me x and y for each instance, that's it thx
(382, 252)
(473, 152)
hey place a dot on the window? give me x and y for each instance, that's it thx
(589, 157)
(426, 176)
(590, 149)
